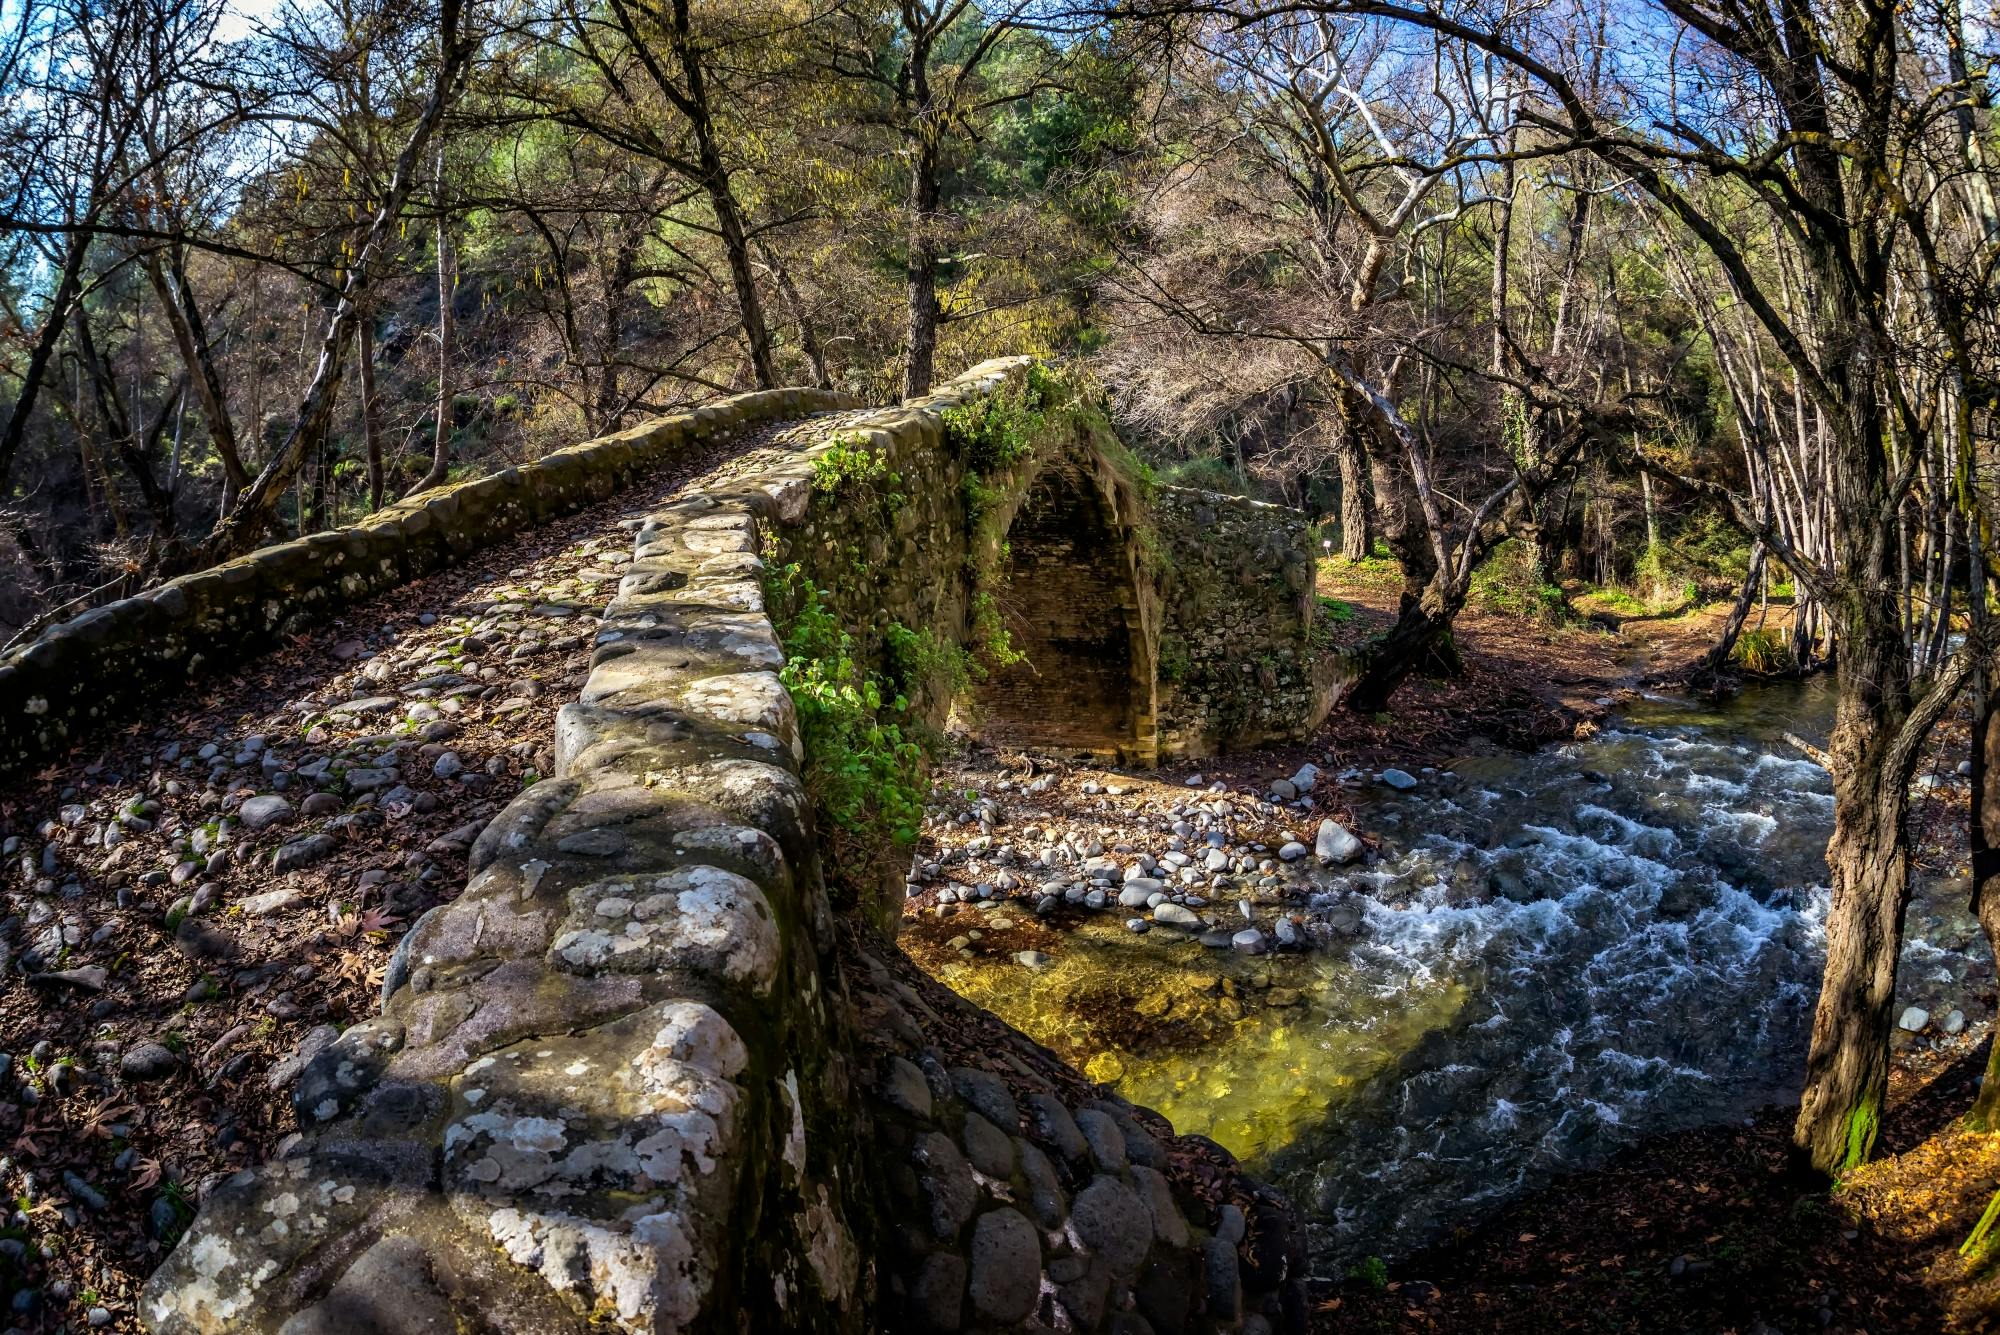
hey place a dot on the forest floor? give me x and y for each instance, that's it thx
(1711, 1230)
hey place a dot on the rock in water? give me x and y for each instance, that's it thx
(1913, 1019)
(1173, 915)
(1335, 844)
(1401, 780)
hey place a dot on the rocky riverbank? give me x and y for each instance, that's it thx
(1018, 899)
(1234, 866)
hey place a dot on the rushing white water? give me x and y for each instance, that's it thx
(1554, 955)
(1637, 918)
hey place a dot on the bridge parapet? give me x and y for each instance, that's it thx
(644, 1075)
(99, 667)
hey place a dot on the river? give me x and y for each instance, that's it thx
(1553, 955)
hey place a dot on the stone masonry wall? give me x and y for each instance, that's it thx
(102, 665)
(1237, 664)
(606, 1090)
(1073, 596)
(639, 1077)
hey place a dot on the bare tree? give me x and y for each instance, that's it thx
(244, 526)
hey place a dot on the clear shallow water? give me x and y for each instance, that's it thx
(1556, 954)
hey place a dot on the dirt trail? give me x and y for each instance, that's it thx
(164, 975)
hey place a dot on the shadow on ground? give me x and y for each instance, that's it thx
(1718, 1230)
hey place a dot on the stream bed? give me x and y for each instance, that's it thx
(1553, 955)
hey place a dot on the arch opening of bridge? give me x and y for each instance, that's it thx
(1081, 621)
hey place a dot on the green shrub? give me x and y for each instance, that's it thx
(1621, 602)
(990, 639)
(1762, 651)
(1373, 1271)
(999, 431)
(919, 659)
(863, 770)
(850, 464)
(1506, 583)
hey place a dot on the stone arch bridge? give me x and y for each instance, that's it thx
(646, 1073)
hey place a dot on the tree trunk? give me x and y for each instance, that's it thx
(371, 419)
(447, 281)
(1847, 1073)
(1879, 727)
(1986, 858)
(312, 518)
(123, 436)
(609, 410)
(66, 289)
(722, 199)
(1732, 627)
(1545, 553)
(1650, 559)
(1404, 532)
(183, 318)
(1422, 633)
(808, 338)
(242, 526)
(920, 267)
(1985, 831)
(1357, 540)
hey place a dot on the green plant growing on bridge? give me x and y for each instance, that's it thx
(993, 646)
(851, 465)
(1002, 429)
(919, 659)
(863, 768)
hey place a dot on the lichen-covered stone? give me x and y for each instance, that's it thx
(626, 1082)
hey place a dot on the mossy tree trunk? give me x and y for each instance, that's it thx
(1986, 859)
(1879, 727)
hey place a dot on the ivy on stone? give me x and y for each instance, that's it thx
(863, 767)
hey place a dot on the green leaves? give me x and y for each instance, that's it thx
(863, 771)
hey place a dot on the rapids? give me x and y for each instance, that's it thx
(1554, 954)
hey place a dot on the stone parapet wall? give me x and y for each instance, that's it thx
(1017, 1196)
(98, 667)
(606, 1089)
(640, 1077)
(1236, 659)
